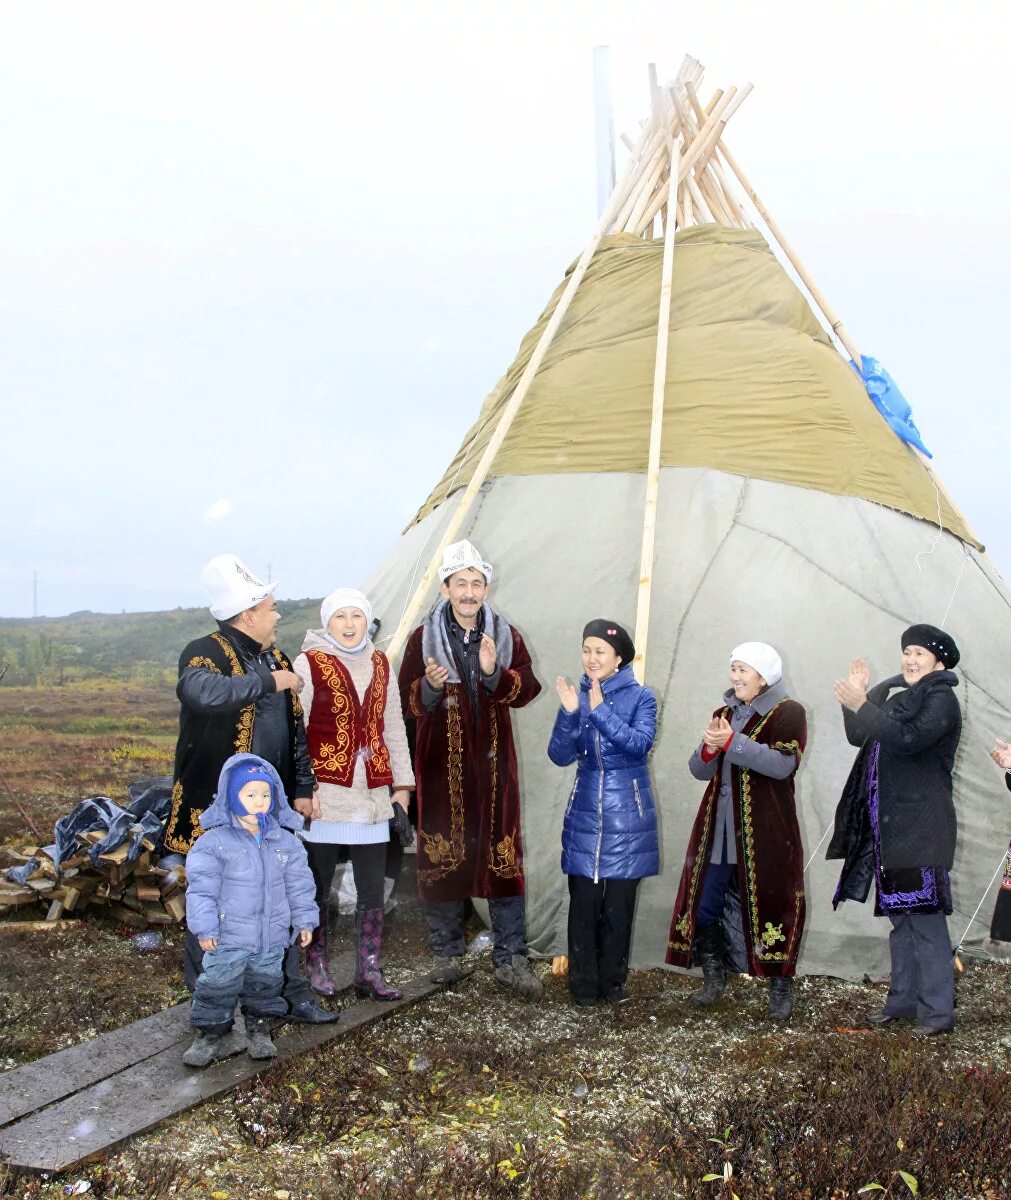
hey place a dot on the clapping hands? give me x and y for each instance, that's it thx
(851, 692)
(1001, 755)
(717, 733)
(567, 694)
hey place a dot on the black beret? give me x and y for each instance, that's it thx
(612, 633)
(940, 644)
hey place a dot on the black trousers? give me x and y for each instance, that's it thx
(600, 933)
(367, 862)
(508, 927)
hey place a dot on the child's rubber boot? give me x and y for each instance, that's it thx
(258, 1042)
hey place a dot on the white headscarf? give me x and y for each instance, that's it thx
(762, 657)
(345, 598)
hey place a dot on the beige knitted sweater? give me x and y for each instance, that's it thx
(359, 802)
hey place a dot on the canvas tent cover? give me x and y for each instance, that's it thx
(754, 385)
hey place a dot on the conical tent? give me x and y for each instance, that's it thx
(680, 446)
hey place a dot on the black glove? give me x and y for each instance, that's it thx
(400, 824)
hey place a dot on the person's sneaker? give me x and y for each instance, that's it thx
(617, 995)
(450, 970)
(929, 1031)
(203, 1050)
(517, 977)
(258, 1042)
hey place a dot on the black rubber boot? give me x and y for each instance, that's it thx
(780, 999)
(709, 956)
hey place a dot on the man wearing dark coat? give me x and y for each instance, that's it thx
(462, 671)
(238, 694)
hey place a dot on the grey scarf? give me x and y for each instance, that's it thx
(435, 640)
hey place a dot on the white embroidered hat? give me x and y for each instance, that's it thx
(458, 557)
(232, 587)
(763, 657)
(345, 598)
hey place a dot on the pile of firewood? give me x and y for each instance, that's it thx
(137, 893)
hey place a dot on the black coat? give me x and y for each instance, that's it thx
(918, 730)
(230, 705)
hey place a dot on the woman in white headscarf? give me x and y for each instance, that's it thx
(741, 897)
(358, 746)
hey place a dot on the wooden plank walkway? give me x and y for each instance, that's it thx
(30, 1087)
(93, 1116)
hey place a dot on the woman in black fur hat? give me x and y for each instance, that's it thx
(896, 823)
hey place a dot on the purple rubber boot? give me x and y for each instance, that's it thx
(317, 961)
(369, 979)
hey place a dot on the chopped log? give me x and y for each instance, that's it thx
(71, 898)
(38, 926)
(127, 916)
(175, 906)
(55, 911)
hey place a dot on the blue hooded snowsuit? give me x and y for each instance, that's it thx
(252, 895)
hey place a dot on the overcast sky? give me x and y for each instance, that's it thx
(247, 246)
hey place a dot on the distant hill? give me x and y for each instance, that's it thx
(138, 646)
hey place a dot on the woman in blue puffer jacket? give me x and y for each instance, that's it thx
(609, 836)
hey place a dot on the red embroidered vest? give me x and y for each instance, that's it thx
(340, 730)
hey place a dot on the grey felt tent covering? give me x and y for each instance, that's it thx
(822, 577)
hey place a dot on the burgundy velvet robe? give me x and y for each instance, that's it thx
(770, 854)
(469, 841)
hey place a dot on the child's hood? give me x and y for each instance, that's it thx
(280, 809)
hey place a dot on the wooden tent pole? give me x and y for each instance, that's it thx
(629, 178)
(817, 295)
(655, 434)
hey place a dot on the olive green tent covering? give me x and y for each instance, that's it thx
(754, 386)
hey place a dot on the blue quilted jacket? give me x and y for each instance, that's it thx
(249, 895)
(609, 830)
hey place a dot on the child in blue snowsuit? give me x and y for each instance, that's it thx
(248, 887)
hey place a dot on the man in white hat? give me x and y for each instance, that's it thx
(462, 672)
(238, 693)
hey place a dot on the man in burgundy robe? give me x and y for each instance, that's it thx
(462, 671)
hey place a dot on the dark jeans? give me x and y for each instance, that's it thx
(228, 976)
(296, 986)
(923, 975)
(600, 933)
(367, 862)
(714, 893)
(508, 927)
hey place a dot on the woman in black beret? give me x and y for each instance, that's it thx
(896, 823)
(609, 833)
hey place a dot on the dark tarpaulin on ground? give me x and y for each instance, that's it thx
(144, 817)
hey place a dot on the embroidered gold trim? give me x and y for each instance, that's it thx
(378, 690)
(244, 730)
(414, 700)
(244, 726)
(336, 755)
(502, 854)
(435, 845)
(684, 924)
(516, 688)
(200, 661)
(175, 841)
